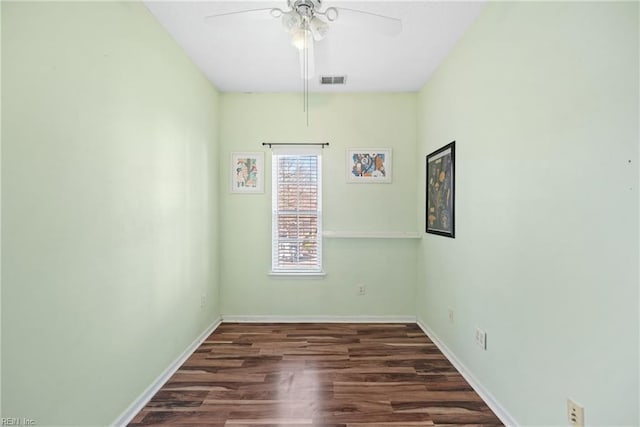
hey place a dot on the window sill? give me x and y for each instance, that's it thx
(310, 274)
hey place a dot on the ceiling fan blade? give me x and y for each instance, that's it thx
(258, 14)
(382, 24)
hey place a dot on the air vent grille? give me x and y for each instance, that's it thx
(333, 80)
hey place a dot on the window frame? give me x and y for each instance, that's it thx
(297, 270)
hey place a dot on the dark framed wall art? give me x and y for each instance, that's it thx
(440, 214)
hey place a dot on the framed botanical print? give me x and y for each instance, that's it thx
(247, 172)
(440, 212)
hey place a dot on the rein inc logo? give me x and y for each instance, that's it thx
(17, 421)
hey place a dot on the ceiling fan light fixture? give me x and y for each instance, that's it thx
(318, 28)
(301, 38)
(291, 21)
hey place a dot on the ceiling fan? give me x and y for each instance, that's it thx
(307, 23)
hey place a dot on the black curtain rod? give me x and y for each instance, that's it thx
(322, 144)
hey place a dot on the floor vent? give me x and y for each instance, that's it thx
(333, 80)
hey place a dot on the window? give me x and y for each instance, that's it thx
(297, 211)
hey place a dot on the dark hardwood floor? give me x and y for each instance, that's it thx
(329, 375)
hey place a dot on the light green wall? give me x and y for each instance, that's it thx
(114, 187)
(0, 224)
(385, 266)
(542, 99)
(109, 208)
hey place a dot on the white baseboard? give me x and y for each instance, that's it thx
(317, 319)
(491, 401)
(128, 415)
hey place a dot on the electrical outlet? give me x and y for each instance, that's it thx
(481, 338)
(450, 316)
(575, 413)
(362, 289)
(203, 300)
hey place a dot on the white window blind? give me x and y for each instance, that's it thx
(297, 211)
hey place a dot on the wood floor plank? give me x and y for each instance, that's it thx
(329, 375)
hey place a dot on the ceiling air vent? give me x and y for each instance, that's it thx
(333, 80)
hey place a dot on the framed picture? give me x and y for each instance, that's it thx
(441, 181)
(247, 172)
(369, 165)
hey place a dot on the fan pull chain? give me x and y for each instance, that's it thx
(305, 71)
(304, 82)
(307, 33)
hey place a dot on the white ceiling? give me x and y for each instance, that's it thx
(240, 53)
